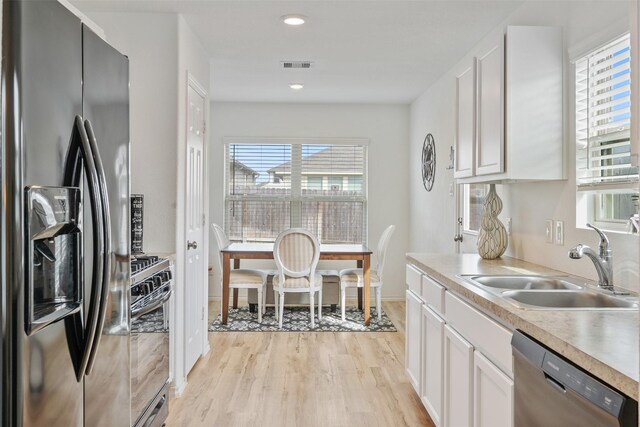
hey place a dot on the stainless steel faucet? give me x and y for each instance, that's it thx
(603, 260)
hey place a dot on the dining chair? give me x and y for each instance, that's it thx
(296, 253)
(243, 278)
(354, 277)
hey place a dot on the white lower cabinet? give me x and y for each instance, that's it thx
(458, 359)
(493, 394)
(458, 380)
(432, 363)
(413, 343)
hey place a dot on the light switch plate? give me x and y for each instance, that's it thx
(549, 230)
(559, 232)
(508, 227)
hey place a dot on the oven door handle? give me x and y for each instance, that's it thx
(151, 306)
(155, 412)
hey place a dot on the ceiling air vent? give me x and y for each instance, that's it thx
(296, 64)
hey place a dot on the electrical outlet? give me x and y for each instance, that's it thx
(549, 230)
(508, 227)
(559, 232)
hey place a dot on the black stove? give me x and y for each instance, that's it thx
(151, 290)
(140, 262)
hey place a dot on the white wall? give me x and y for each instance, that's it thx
(432, 214)
(150, 40)
(386, 126)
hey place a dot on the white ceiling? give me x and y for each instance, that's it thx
(364, 51)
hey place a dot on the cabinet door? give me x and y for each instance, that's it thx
(465, 121)
(432, 358)
(458, 380)
(493, 394)
(490, 111)
(413, 338)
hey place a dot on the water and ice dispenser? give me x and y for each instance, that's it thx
(54, 239)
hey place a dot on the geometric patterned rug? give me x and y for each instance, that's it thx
(296, 319)
(150, 322)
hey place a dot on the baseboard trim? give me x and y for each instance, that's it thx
(177, 391)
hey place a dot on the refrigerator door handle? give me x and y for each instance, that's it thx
(106, 221)
(80, 154)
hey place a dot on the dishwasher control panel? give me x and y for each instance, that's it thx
(587, 386)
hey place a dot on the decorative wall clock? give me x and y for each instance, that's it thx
(428, 162)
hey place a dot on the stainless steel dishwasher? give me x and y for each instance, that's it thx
(550, 392)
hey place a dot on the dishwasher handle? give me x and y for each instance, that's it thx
(554, 383)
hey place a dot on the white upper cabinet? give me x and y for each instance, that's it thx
(490, 115)
(514, 130)
(465, 120)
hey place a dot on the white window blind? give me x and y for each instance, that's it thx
(271, 187)
(603, 88)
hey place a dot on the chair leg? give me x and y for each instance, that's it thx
(343, 301)
(320, 304)
(311, 307)
(276, 313)
(264, 299)
(281, 309)
(260, 305)
(379, 303)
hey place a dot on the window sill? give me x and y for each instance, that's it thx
(610, 228)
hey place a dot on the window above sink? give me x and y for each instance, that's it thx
(607, 182)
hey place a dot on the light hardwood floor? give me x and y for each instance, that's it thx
(301, 379)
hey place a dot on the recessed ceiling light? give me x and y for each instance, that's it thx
(294, 19)
(296, 86)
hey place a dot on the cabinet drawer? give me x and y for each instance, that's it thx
(433, 294)
(491, 338)
(414, 280)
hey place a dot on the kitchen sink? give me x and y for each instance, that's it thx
(569, 299)
(524, 282)
(533, 292)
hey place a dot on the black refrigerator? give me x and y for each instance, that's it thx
(64, 224)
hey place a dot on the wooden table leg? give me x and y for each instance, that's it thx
(366, 289)
(359, 265)
(226, 273)
(236, 265)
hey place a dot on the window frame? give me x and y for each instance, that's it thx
(466, 206)
(296, 198)
(589, 193)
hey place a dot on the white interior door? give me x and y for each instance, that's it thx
(194, 309)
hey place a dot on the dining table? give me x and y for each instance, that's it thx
(334, 252)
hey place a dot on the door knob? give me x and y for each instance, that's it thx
(457, 238)
(192, 245)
